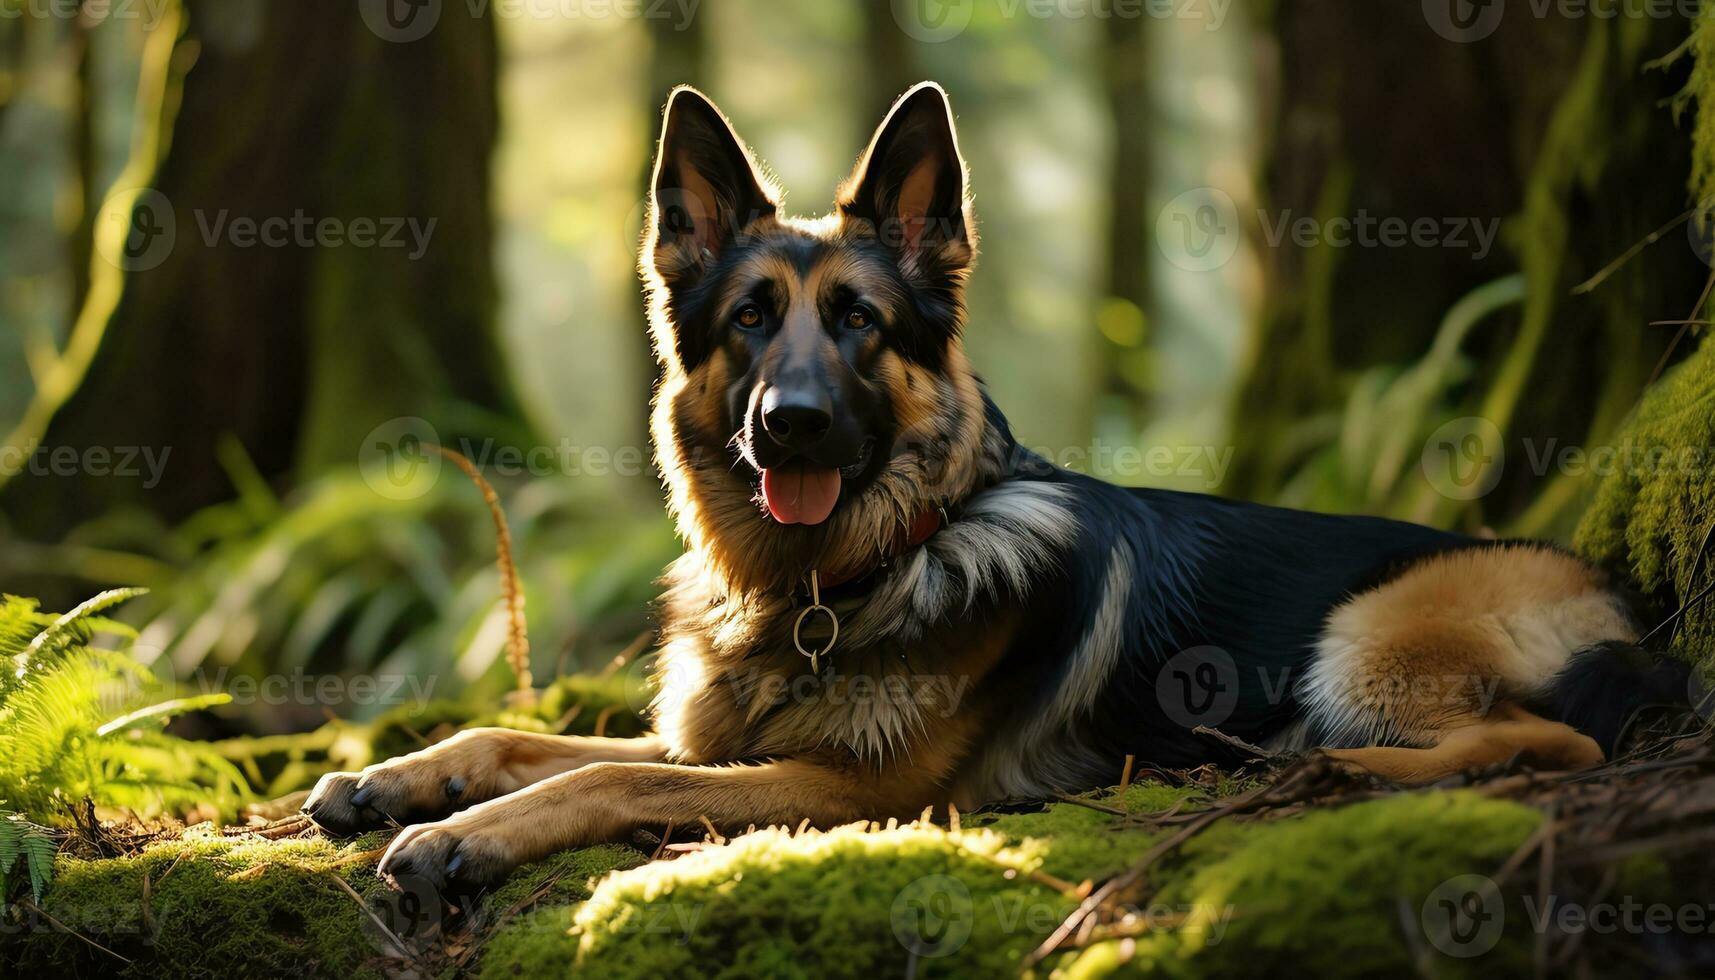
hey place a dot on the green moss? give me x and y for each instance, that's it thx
(212, 907)
(1338, 892)
(1652, 511)
(1324, 892)
(816, 904)
(223, 907)
(1081, 843)
(563, 878)
(1702, 89)
(1325, 888)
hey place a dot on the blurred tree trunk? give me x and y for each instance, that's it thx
(372, 299)
(890, 65)
(1553, 124)
(678, 56)
(1124, 62)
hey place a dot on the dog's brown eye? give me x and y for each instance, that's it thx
(858, 318)
(749, 317)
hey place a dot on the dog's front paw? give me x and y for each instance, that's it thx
(453, 856)
(332, 805)
(426, 785)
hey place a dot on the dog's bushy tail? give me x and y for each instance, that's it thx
(1615, 692)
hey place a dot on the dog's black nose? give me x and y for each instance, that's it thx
(797, 418)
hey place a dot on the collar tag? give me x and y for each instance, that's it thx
(798, 625)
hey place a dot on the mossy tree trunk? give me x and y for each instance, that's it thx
(1553, 124)
(372, 299)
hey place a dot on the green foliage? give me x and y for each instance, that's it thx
(341, 578)
(34, 847)
(1365, 459)
(80, 721)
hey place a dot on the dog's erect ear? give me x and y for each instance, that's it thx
(705, 189)
(911, 186)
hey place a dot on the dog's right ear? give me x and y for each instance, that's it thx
(705, 191)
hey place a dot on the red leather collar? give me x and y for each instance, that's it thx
(921, 529)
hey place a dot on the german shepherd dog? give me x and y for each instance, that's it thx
(886, 605)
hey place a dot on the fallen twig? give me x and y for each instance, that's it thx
(62, 927)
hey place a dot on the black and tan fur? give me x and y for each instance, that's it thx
(1021, 650)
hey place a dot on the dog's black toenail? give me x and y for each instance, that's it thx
(455, 864)
(455, 787)
(362, 796)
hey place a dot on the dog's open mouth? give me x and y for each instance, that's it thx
(800, 494)
(804, 492)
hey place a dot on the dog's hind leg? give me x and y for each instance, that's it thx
(1428, 674)
(1508, 731)
(466, 769)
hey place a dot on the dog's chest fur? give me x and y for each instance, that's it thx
(907, 677)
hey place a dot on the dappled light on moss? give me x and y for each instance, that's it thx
(212, 907)
(748, 906)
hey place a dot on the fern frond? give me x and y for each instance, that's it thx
(35, 845)
(78, 721)
(73, 627)
(164, 711)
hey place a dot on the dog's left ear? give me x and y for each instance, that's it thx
(706, 189)
(910, 186)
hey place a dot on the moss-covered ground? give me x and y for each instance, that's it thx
(1343, 879)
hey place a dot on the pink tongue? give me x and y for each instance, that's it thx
(800, 494)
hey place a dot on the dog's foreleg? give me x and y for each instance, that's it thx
(607, 801)
(472, 766)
